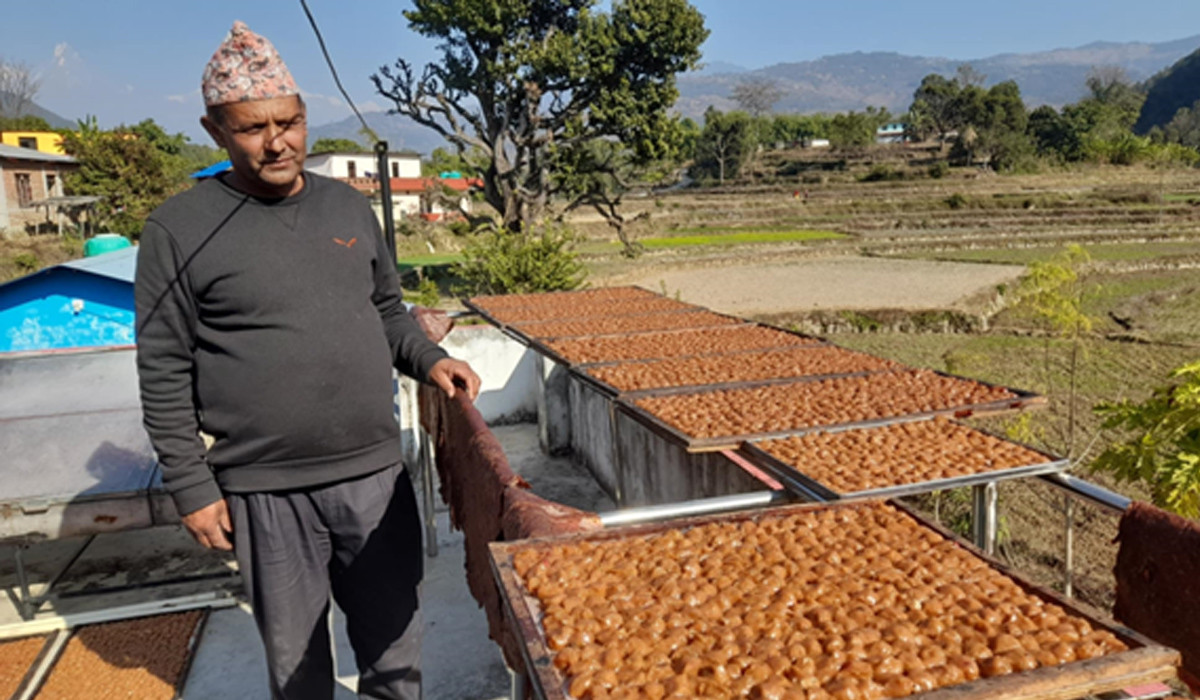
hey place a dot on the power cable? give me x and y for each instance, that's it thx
(337, 81)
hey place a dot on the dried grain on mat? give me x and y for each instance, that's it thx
(16, 657)
(853, 602)
(143, 658)
(643, 346)
(780, 407)
(626, 324)
(589, 309)
(510, 301)
(740, 367)
(892, 455)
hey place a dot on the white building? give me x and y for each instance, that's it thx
(348, 166)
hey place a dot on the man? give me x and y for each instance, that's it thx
(269, 316)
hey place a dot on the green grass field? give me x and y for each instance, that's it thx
(698, 237)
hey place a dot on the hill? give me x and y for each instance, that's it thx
(1170, 90)
(855, 80)
(54, 120)
(400, 132)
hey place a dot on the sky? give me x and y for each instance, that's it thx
(126, 60)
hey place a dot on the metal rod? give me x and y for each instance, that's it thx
(1084, 489)
(983, 520)
(25, 604)
(1069, 546)
(701, 506)
(426, 455)
(385, 198)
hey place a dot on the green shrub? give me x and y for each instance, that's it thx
(956, 201)
(882, 172)
(427, 294)
(939, 170)
(460, 227)
(26, 262)
(504, 262)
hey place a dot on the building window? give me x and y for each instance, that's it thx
(395, 170)
(351, 169)
(24, 190)
(51, 182)
(27, 142)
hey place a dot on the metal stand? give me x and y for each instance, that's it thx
(426, 455)
(28, 604)
(983, 516)
(1069, 546)
(517, 686)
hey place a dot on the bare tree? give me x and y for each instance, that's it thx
(756, 95)
(968, 76)
(18, 87)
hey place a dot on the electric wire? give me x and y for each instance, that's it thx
(336, 80)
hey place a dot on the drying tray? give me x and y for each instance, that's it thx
(1144, 662)
(730, 322)
(634, 292)
(541, 347)
(627, 403)
(683, 307)
(583, 371)
(808, 488)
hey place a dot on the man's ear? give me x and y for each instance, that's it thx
(214, 131)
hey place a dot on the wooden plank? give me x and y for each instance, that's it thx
(1146, 661)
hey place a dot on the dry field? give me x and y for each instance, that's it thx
(921, 248)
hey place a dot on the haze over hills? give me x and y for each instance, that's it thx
(854, 80)
(838, 83)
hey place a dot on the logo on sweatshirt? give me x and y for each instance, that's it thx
(349, 244)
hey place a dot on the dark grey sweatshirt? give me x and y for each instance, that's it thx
(273, 326)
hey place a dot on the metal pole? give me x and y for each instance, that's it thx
(983, 516)
(385, 198)
(700, 506)
(26, 606)
(518, 686)
(1069, 544)
(1095, 494)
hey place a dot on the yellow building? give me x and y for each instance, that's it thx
(44, 141)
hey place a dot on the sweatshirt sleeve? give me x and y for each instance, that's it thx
(166, 327)
(413, 353)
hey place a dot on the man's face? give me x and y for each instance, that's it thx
(266, 143)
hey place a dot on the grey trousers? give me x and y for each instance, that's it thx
(359, 540)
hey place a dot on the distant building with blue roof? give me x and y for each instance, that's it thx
(84, 303)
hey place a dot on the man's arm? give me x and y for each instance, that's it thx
(166, 318)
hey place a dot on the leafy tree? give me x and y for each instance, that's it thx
(24, 123)
(756, 96)
(517, 77)
(519, 262)
(18, 87)
(856, 129)
(133, 168)
(443, 160)
(1184, 127)
(934, 107)
(337, 145)
(725, 144)
(1163, 450)
(793, 128)
(1110, 88)
(1053, 292)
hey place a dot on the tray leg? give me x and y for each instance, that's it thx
(983, 516)
(28, 604)
(518, 686)
(1069, 546)
(426, 456)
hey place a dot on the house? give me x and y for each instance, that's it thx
(85, 303)
(891, 133)
(44, 141)
(29, 176)
(345, 165)
(431, 198)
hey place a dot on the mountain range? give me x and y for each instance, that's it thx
(840, 82)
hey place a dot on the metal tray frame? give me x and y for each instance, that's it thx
(626, 402)
(809, 488)
(738, 321)
(565, 293)
(1145, 661)
(684, 308)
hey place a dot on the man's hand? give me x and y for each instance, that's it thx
(449, 372)
(211, 526)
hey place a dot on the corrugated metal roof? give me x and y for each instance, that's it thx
(16, 153)
(119, 264)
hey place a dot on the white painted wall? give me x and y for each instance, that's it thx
(337, 164)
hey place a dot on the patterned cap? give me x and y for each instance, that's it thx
(245, 67)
